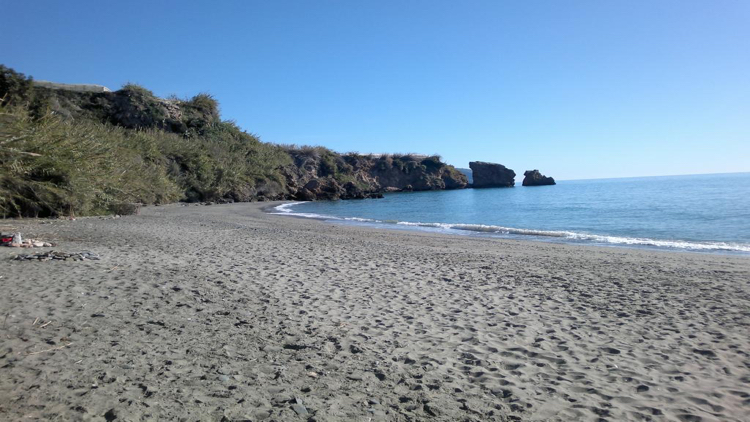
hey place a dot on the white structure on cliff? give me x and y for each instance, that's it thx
(72, 87)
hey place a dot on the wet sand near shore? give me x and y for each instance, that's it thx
(228, 313)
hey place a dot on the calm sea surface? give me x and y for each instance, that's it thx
(709, 213)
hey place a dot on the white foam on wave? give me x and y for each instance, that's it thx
(677, 244)
(285, 209)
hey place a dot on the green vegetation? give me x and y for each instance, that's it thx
(15, 88)
(66, 152)
(50, 165)
(323, 161)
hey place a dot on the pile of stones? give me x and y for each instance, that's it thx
(58, 256)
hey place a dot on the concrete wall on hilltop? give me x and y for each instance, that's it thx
(72, 87)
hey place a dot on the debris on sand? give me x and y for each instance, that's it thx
(17, 241)
(58, 256)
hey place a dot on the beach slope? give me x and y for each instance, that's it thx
(228, 313)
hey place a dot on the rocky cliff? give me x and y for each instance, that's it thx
(319, 173)
(491, 175)
(315, 173)
(534, 178)
(72, 151)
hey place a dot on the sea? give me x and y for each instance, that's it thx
(695, 213)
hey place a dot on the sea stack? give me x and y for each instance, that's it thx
(491, 175)
(534, 178)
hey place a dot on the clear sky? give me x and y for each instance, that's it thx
(577, 89)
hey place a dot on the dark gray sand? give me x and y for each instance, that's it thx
(203, 313)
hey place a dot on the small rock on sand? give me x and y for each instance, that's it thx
(300, 409)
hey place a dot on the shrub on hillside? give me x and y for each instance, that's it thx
(433, 163)
(50, 167)
(15, 88)
(66, 152)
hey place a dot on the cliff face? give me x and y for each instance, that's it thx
(319, 173)
(67, 151)
(315, 173)
(534, 178)
(491, 175)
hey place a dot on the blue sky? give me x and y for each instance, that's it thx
(577, 89)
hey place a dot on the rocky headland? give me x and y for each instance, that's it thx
(73, 149)
(83, 150)
(534, 178)
(318, 173)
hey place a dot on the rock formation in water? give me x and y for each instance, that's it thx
(534, 178)
(491, 175)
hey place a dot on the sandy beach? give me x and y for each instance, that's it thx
(225, 312)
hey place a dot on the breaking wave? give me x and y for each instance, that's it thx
(509, 232)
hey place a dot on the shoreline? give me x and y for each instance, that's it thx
(226, 311)
(559, 237)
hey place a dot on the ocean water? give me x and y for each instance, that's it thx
(706, 213)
